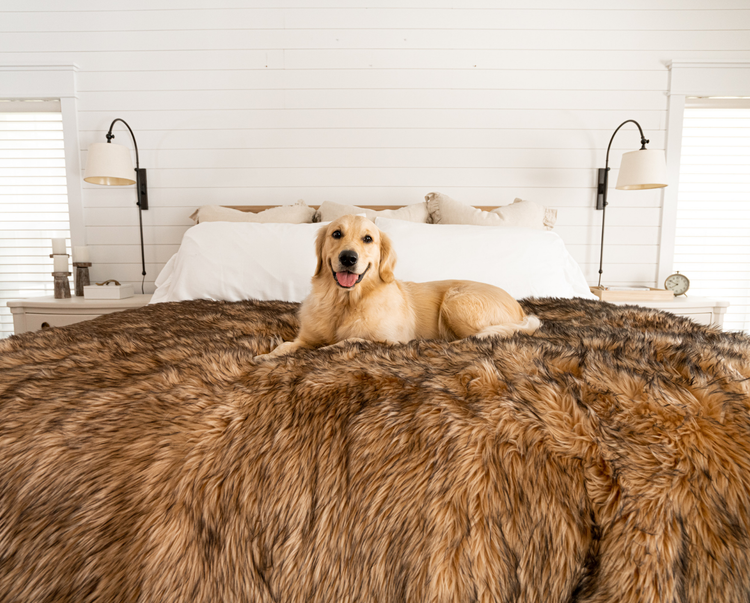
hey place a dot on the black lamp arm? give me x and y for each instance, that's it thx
(644, 142)
(141, 186)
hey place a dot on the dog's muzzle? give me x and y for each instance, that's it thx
(346, 279)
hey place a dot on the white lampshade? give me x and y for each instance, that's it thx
(110, 164)
(641, 170)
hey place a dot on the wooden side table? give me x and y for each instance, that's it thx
(46, 312)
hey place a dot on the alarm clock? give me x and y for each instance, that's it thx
(677, 283)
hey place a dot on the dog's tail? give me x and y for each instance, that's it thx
(528, 325)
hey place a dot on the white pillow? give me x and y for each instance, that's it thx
(526, 214)
(233, 261)
(330, 211)
(526, 262)
(299, 213)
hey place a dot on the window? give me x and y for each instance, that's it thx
(33, 199)
(712, 237)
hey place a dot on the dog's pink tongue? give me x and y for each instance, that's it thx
(346, 279)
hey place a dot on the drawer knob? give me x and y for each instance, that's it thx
(45, 325)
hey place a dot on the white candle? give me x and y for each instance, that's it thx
(61, 263)
(81, 254)
(58, 245)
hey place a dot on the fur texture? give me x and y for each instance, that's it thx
(144, 456)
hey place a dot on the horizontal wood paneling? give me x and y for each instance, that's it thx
(377, 129)
(367, 176)
(389, 157)
(455, 100)
(613, 8)
(357, 39)
(393, 18)
(258, 102)
(368, 60)
(400, 79)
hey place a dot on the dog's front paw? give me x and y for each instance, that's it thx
(281, 350)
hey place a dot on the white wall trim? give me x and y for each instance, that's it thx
(38, 81)
(690, 78)
(54, 81)
(73, 170)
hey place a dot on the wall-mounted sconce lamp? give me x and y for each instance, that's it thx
(110, 164)
(639, 170)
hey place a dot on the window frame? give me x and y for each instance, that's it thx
(54, 81)
(689, 79)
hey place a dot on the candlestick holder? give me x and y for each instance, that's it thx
(82, 277)
(62, 286)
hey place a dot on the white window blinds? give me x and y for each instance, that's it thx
(712, 245)
(33, 200)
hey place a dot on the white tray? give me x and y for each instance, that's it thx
(108, 291)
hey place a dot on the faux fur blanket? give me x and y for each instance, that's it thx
(144, 456)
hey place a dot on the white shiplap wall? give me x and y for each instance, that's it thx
(380, 102)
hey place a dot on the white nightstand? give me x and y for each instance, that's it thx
(703, 310)
(45, 312)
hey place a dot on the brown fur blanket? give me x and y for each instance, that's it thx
(144, 456)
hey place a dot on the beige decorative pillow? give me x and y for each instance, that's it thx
(527, 214)
(299, 213)
(329, 211)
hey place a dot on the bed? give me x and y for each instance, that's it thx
(145, 456)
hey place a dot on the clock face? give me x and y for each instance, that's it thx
(677, 283)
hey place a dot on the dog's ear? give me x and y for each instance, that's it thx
(319, 242)
(387, 258)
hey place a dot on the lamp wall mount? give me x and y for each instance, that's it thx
(142, 187)
(602, 181)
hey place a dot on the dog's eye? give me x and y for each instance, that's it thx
(367, 239)
(336, 234)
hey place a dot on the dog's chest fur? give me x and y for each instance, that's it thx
(381, 315)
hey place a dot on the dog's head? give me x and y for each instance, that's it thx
(352, 251)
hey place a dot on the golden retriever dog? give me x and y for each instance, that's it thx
(356, 297)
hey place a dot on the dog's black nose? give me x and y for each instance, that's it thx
(348, 258)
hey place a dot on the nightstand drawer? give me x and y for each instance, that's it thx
(703, 310)
(702, 318)
(35, 322)
(46, 312)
